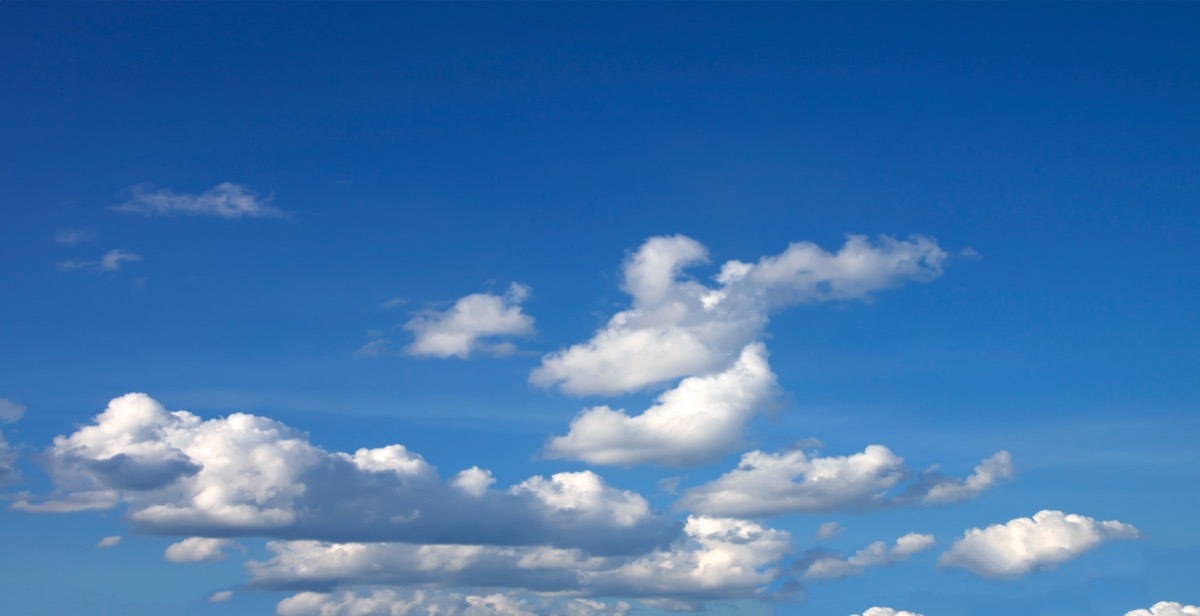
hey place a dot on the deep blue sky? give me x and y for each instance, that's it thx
(428, 152)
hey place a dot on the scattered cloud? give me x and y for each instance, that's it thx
(109, 542)
(10, 411)
(248, 475)
(71, 237)
(1167, 608)
(461, 329)
(696, 422)
(793, 481)
(1020, 546)
(425, 602)
(886, 611)
(679, 327)
(110, 261)
(220, 596)
(8, 462)
(197, 550)
(829, 530)
(942, 490)
(225, 200)
(877, 554)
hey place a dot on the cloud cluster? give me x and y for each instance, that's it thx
(1167, 608)
(425, 603)
(461, 329)
(793, 481)
(877, 554)
(225, 200)
(679, 327)
(248, 475)
(1022, 545)
(696, 422)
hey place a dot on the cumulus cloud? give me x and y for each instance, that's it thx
(718, 558)
(197, 550)
(220, 596)
(461, 329)
(111, 261)
(991, 471)
(793, 481)
(679, 327)
(877, 554)
(225, 200)
(247, 475)
(696, 422)
(1167, 608)
(425, 602)
(1022, 545)
(109, 542)
(886, 611)
(10, 411)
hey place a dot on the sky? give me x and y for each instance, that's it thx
(581, 309)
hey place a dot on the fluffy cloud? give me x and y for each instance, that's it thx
(886, 611)
(718, 558)
(877, 554)
(248, 475)
(109, 542)
(423, 602)
(679, 327)
(1167, 608)
(220, 596)
(110, 261)
(765, 484)
(197, 550)
(829, 530)
(10, 411)
(226, 200)
(458, 331)
(696, 422)
(1020, 546)
(989, 472)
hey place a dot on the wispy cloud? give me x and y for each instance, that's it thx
(225, 200)
(10, 411)
(110, 261)
(70, 237)
(877, 554)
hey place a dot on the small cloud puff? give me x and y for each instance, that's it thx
(70, 237)
(197, 550)
(109, 542)
(225, 200)
(220, 596)
(10, 411)
(1167, 608)
(459, 330)
(886, 611)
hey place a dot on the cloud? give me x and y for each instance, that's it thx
(426, 602)
(792, 481)
(110, 261)
(10, 411)
(718, 558)
(1167, 608)
(829, 530)
(991, 471)
(8, 462)
(246, 475)
(679, 327)
(109, 542)
(696, 422)
(226, 200)
(197, 550)
(1022, 545)
(220, 596)
(886, 611)
(458, 331)
(877, 554)
(70, 237)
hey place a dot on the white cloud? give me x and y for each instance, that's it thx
(70, 237)
(10, 411)
(877, 554)
(696, 422)
(8, 461)
(989, 472)
(459, 330)
(220, 596)
(110, 261)
(886, 611)
(109, 542)
(425, 603)
(1167, 608)
(474, 481)
(679, 327)
(766, 484)
(248, 475)
(1022, 545)
(719, 558)
(226, 200)
(829, 530)
(197, 550)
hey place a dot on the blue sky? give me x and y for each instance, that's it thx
(666, 307)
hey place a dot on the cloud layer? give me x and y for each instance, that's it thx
(225, 200)
(461, 329)
(679, 327)
(1023, 545)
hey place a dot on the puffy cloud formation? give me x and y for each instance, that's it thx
(10, 411)
(886, 611)
(197, 550)
(1167, 608)
(220, 596)
(718, 558)
(110, 261)
(989, 472)
(679, 327)
(877, 554)
(1020, 546)
(458, 330)
(829, 530)
(109, 542)
(423, 602)
(765, 484)
(696, 422)
(248, 475)
(225, 200)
